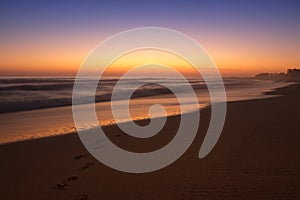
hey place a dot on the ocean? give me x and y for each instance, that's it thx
(34, 107)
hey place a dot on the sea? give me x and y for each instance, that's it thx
(35, 107)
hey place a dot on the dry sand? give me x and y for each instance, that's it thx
(257, 157)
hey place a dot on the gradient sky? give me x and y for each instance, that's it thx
(243, 38)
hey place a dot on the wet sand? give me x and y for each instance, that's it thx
(257, 157)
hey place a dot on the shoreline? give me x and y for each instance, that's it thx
(263, 95)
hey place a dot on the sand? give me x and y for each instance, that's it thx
(257, 157)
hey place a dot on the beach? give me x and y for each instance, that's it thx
(146, 100)
(256, 157)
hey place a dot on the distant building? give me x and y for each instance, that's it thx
(270, 76)
(293, 73)
(290, 75)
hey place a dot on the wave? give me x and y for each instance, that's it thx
(19, 94)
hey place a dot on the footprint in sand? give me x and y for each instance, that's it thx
(87, 165)
(72, 178)
(59, 186)
(64, 184)
(80, 156)
(83, 197)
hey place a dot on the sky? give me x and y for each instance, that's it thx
(242, 37)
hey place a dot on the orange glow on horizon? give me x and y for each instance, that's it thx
(64, 56)
(151, 58)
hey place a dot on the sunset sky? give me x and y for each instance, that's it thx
(243, 38)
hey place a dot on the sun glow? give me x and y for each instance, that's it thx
(148, 57)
